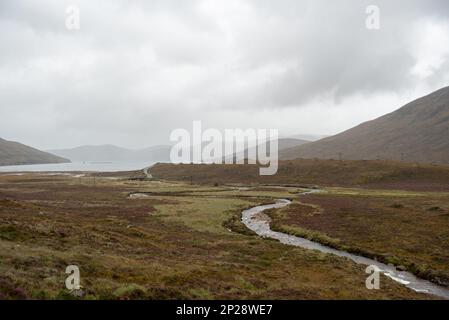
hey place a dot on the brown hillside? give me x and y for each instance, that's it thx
(418, 132)
(14, 153)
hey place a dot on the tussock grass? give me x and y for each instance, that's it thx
(374, 225)
(161, 247)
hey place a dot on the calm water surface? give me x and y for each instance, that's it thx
(78, 166)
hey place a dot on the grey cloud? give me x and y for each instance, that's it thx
(138, 69)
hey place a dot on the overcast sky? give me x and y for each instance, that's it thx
(136, 70)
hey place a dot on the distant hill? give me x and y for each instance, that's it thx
(291, 143)
(14, 153)
(283, 144)
(114, 153)
(308, 137)
(418, 132)
(94, 153)
(155, 154)
(151, 154)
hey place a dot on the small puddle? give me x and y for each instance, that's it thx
(139, 196)
(259, 222)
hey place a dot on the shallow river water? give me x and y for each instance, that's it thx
(259, 222)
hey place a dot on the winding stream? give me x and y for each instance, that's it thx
(259, 222)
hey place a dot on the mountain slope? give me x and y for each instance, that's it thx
(418, 132)
(14, 153)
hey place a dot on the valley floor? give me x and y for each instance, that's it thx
(179, 241)
(404, 228)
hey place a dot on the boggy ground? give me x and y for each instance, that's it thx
(380, 174)
(408, 229)
(180, 242)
